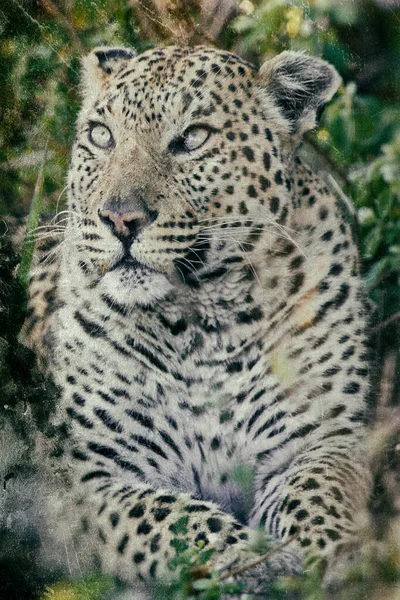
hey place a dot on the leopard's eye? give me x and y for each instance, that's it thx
(194, 137)
(101, 136)
(191, 139)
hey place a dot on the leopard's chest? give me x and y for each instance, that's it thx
(175, 420)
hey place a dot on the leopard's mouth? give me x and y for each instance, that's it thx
(129, 263)
(130, 282)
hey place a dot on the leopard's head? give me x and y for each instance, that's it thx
(180, 164)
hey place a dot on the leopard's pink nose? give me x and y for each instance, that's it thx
(126, 218)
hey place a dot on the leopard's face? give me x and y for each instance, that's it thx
(177, 167)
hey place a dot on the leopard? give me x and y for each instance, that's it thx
(204, 315)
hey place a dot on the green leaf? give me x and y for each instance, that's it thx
(179, 545)
(205, 556)
(376, 272)
(180, 526)
(371, 242)
(243, 476)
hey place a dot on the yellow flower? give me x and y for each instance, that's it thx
(294, 17)
(323, 135)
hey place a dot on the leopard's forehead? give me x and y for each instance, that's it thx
(172, 81)
(190, 66)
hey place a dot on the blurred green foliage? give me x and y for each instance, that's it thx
(358, 142)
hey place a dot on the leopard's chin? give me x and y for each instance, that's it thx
(130, 283)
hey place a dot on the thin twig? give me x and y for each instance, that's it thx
(345, 199)
(383, 324)
(257, 561)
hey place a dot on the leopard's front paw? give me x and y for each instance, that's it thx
(255, 570)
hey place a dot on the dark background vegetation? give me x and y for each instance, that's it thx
(357, 145)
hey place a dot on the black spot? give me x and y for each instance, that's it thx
(323, 213)
(114, 519)
(108, 420)
(144, 528)
(296, 262)
(91, 328)
(351, 388)
(251, 191)
(264, 183)
(215, 443)
(192, 508)
(94, 475)
(335, 270)
(243, 208)
(226, 415)
(166, 499)
(274, 204)
(82, 420)
(292, 505)
(137, 511)
(337, 494)
(78, 399)
(278, 177)
(214, 524)
(123, 543)
(342, 295)
(333, 512)
(160, 514)
(155, 543)
(311, 484)
(254, 314)
(296, 282)
(301, 515)
(323, 287)
(249, 154)
(325, 237)
(336, 411)
(268, 135)
(332, 534)
(170, 442)
(144, 420)
(78, 455)
(234, 367)
(153, 568)
(231, 540)
(316, 501)
(138, 558)
(331, 371)
(267, 161)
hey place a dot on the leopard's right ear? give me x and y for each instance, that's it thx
(100, 65)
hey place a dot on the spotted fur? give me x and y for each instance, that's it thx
(205, 312)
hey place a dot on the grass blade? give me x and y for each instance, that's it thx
(33, 222)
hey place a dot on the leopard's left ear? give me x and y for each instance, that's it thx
(299, 86)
